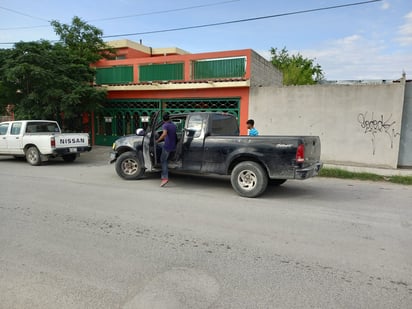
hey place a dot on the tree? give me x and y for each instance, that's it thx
(49, 80)
(46, 80)
(6, 94)
(296, 69)
(27, 73)
(82, 39)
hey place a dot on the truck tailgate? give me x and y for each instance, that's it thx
(312, 149)
(66, 140)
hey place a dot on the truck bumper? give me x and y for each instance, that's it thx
(307, 172)
(70, 150)
(113, 157)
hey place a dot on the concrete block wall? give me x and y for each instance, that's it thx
(358, 124)
(263, 73)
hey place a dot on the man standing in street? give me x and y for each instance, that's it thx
(251, 127)
(169, 137)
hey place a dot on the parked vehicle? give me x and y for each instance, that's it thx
(39, 140)
(209, 143)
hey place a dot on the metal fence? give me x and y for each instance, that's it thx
(122, 117)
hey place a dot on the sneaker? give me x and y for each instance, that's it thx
(164, 182)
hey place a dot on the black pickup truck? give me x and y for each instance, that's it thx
(209, 143)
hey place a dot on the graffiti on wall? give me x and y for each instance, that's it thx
(378, 126)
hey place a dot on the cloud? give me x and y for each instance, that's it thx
(385, 5)
(349, 40)
(355, 57)
(405, 31)
(358, 58)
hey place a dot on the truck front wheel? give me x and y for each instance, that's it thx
(249, 179)
(129, 165)
(33, 156)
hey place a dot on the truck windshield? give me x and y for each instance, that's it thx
(42, 127)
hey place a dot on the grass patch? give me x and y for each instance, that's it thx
(404, 180)
(339, 173)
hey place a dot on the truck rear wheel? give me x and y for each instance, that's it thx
(33, 156)
(249, 179)
(129, 166)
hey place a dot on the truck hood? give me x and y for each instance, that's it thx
(132, 140)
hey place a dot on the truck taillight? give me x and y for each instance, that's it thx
(53, 142)
(300, 154)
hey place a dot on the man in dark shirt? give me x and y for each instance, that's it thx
(169, 136)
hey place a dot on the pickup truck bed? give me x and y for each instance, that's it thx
(276, 153)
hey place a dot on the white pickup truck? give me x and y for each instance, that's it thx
(39, 140)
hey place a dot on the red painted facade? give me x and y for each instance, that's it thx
(133, 54)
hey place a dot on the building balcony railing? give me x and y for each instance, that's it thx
(224, 68)
(220, 68)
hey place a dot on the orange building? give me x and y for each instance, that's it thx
(143, 80)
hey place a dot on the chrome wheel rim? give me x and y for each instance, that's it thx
(130, 166)
(247, 180)
(32, 155)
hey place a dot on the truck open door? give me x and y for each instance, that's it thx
(151, 153)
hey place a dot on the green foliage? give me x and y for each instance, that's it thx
(82, 39)
(6, 94)
(296, 69)
(45, 80)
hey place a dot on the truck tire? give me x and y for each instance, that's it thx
(70, 158)
(129, 165)
(276, 182)
(249, 179)
(33, 156)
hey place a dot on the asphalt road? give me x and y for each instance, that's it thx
(75, 235)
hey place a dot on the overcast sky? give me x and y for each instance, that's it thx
(368, 41)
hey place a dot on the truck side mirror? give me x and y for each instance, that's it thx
(140, 132)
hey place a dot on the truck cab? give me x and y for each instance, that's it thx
(192, 131)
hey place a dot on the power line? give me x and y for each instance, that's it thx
(25, 27)
(121, 17)
(237, 20)
(243, 20)
(167, 11)
(23, 14)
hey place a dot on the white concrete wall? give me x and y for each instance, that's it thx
(358, 124)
